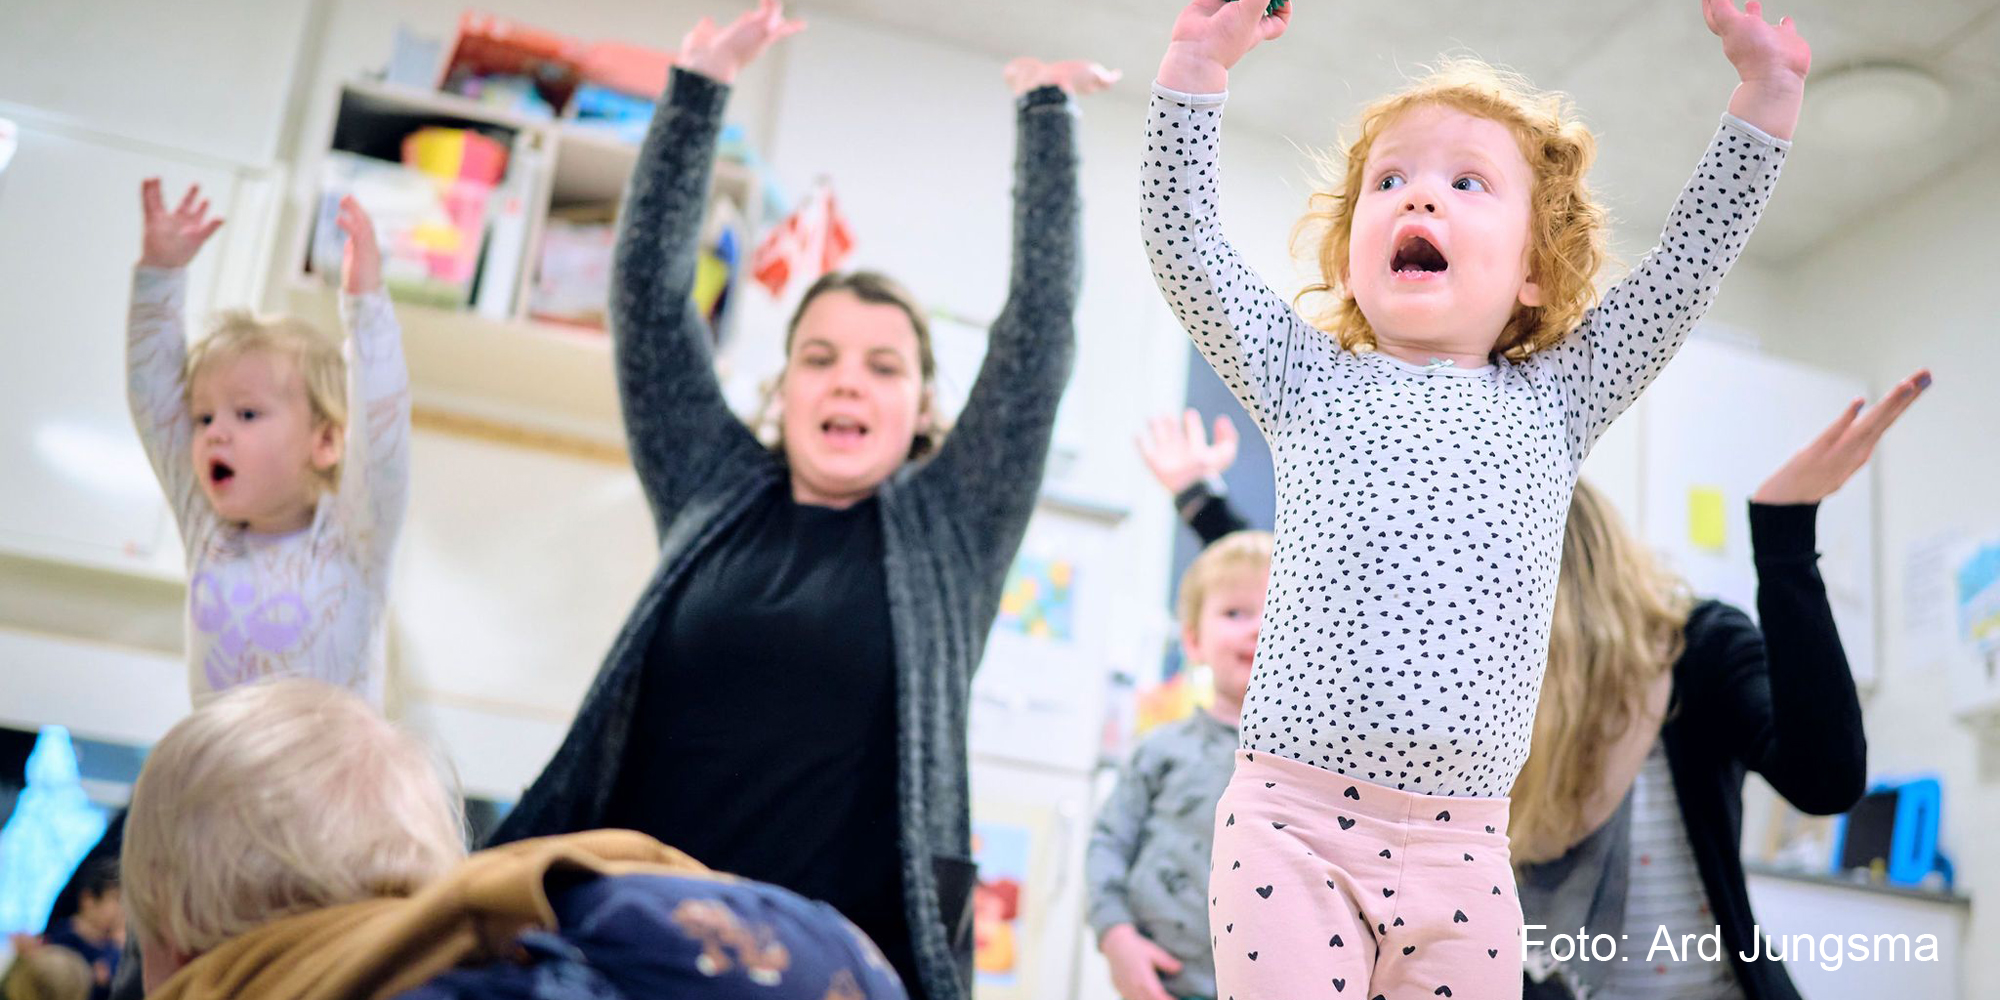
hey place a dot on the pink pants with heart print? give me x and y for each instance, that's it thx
(1323, 886)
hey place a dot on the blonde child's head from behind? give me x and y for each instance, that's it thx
(47, 972)
(1221, 605)
(1438, 232)
(275, 799)
(269, 401)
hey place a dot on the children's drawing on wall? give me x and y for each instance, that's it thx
(1039, 600)
(1001, 850)
(1979, 605)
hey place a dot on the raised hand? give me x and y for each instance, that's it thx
(1180, 454)
(361, 259)
(719, 53)
(172, 238)
(1825, 464)
(1211, 35)
(1771, 60)
(1075, 76)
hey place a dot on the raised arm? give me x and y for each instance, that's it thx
(374, 492)
(1790, 702)
(1189, 467)
(991, 463)
(677, 424)
(1644, 319)
(1244, 329)
(156, 345)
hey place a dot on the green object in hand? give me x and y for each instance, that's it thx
(1272, 8)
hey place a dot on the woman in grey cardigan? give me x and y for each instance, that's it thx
(788, 699)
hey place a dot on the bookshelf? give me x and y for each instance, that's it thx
(484, 351)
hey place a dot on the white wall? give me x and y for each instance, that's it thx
(1911, 287)
(211, 76)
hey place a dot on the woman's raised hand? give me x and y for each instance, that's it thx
(720, 53)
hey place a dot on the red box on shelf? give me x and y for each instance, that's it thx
(489, 47)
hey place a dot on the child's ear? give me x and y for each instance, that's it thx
(1531, 294)
(1190, 639)
(328, 446)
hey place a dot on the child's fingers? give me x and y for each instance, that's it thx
(1191, 426)
(1753, 9)
(1243, 14)
(209, 230)
(1712, 16)
(149, 198)
(201, 210)
(1225, 430)
(188, 200)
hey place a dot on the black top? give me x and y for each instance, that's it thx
(1779, 701)
(768, 747)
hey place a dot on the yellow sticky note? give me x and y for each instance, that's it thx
(1705, 518)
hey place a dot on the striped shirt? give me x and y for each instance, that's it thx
(1665, 901)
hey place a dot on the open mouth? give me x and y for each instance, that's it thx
(1417, 255)
(844, 430)
(219, 473)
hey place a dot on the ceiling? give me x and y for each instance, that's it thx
(1647, 74)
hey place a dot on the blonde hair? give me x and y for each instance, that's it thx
(238, 333)
(47, 972)
(279, 798)
(1566, 226)
(1617, 627)
(1230, 556)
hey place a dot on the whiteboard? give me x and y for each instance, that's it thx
(78, 487)
(1722, 418)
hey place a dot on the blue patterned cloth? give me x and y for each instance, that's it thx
(637, 937)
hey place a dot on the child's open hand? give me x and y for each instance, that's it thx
(1759, 51)
(361, 259)
(718, 53)
(1211, 35)
(1825, 465)
(1075, 76)
(1770, 59)
(1179, 453)
(174, 237)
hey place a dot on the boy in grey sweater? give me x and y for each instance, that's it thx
(1147, 866)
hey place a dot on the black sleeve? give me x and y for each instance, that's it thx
(1208, 513)
(1784, 696)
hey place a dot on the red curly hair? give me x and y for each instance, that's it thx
(1566, 238)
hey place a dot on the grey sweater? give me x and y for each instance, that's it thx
(1148, 859)
(950, 524)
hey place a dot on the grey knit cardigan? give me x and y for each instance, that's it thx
(950, 524)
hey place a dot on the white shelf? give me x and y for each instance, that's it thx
(535, 375)
(519, 372)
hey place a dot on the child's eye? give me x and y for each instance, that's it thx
(1468, 184)
(1389, 182)
(204, 419)
(246, 415)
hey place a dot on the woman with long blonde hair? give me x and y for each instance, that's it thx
(1628, 813)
